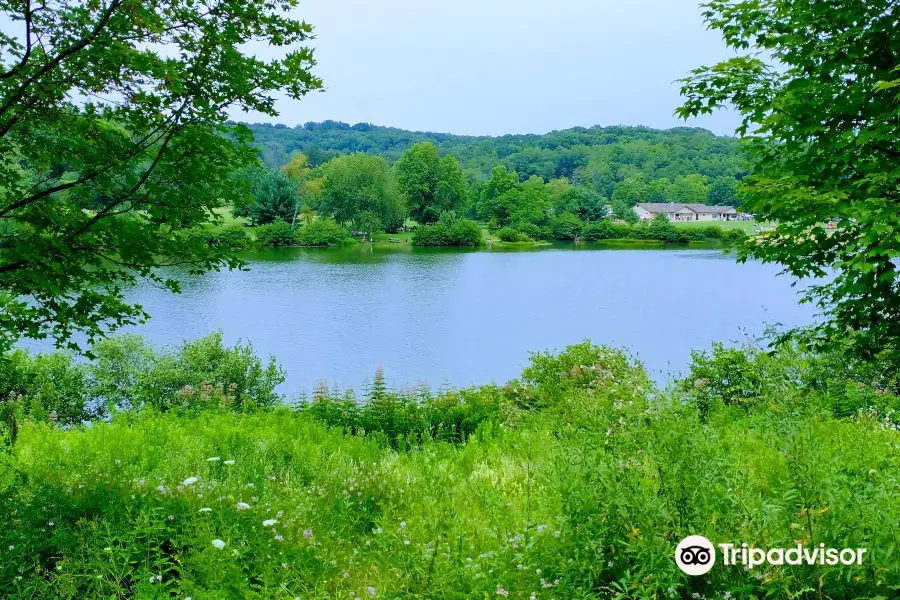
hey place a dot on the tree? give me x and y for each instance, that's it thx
(631, 191)
(689, 189)
(659, 191)
(821, 126)
(275, 198)
(297, 170)
(583, 202)
(722, 192)
(495, 203)
(624, 211)
(115, 140)
(359, 183)
(417, 178)
(452, 191)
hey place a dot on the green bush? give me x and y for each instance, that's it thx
(234, 236)
(437, 234)
(566, 226)
(48, 387)
(465, 233)
(278, 233)
(511, 234)
(323, 232)
(458, 232)
(576, 482)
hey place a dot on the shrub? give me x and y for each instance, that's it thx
(465, 233)
(279, 233)
(459, 232)
(529, 231)
(48, 387)
(566, 226)
(510, 234)
(437, 234)
(323, 232)
(234, 236)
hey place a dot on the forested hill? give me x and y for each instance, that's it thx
(595, 156)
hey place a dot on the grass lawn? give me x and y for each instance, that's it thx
(384, 238)
(745, 226)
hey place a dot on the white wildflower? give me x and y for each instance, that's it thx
(269, 522)
(218, 544)
(243, 506)
(190, 481)
(212, 459)
(205, 509)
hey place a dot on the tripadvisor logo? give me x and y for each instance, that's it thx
(695, 555)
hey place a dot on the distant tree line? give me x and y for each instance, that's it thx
(367, 193)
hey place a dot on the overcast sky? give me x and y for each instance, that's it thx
(504, 66)
(500, 66)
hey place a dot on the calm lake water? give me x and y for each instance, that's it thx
(470, 317)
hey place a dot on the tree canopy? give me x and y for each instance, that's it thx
(114, 141)
(816, 84)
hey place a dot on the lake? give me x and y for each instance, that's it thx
(465, 317)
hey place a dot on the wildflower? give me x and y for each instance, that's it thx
(11, 547)
(162, 489)
(537, 571)
(284, 565)
(502, 592)
(269, 522)
(190, 481)
(171, 517)
(727, 596)
(872, 472)
(406, 542)
(243, 506)
(205, 509)
(307, 533)
(541, 528)
(249, 485)
(51, 523)
(212, 459)
(278, 538)
(533, 596)
(402, 523)
(218, 544)
(371, 590)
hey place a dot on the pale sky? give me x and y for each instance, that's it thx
(492, 67)
(504, 66)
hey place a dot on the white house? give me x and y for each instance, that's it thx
(685, 212)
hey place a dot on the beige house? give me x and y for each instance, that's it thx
(684, 212)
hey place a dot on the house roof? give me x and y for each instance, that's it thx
(671, 207)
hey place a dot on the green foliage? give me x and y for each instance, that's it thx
(275, 197)
(449, 231)
(566, 226)
(722, 192)
(278, 233)
(48, 386)
(511, 234)
(624, 211)
(323, 232)
(629, 192)
(417, 178)
(597, 156)
(361, 183)
(115, 141)
(820, 125)
(128, 373)
(576, 481)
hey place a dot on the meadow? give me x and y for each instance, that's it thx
(576, 480)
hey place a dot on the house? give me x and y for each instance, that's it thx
(685, 212)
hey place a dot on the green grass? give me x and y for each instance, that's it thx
(578, 485)
(745, 226)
